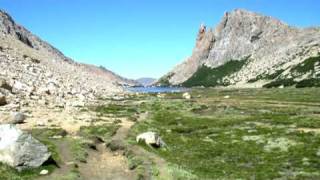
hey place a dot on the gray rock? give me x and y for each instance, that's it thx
(20, 150)
(18, 118)
(3, 100)
(5, 85)
(151, 138)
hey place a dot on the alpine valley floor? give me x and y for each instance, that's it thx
(217, 134)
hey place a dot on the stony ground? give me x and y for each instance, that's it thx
(218, 134)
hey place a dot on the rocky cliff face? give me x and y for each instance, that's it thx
(249, 49)
(37, 72)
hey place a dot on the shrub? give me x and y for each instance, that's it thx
(280, 82)
(308, 83)
(210, 77)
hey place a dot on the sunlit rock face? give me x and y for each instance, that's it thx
(269, 45)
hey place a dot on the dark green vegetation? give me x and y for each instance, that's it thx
(254, 134)
(313, 82)
(210, 77)
(280, 82)
(307, 66)
(117, 110)
(164, 81)
(102, 132)
(267, 76)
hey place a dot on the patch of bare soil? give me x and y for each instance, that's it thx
(103, 164)
(65, 166)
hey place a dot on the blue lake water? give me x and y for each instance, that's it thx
(157, 89)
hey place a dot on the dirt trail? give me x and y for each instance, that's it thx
(65, 166)
(103, 164)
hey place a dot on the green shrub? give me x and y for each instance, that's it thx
(103, 132)
(308, 83)
(210, 77)
(280, 82)
(307, 65)
(267, 76)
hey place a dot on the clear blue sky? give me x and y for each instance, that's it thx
(139, 38)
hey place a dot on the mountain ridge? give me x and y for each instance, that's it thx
(35, 69)
(271, 45)
(146, 81)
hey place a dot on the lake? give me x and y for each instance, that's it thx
(157, 89)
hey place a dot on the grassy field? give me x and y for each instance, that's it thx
(239, 134)
(218, 134)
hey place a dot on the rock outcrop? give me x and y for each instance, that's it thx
(263, 48)
(20, 150)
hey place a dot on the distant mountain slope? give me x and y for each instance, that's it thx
(146, 81)
(250, 50)
(35, 68)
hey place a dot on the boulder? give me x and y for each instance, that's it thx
(150, 138)
(20, 150)
(186, 95)
(18, 118)
(159, 95)
(226, 97)
(3, 100)
(5, 85)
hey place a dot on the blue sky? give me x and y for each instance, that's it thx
(140, 38)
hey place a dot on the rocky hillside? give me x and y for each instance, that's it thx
(247, 49)
(33, 70)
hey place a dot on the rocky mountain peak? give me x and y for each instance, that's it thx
(202, 32)
(5, 18)
(242, 23)
(265, 42)
(9, 27)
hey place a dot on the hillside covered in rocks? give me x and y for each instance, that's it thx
(247, 49)
(33, 71)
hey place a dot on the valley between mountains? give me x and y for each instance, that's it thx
(251, 110)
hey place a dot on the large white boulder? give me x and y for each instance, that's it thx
(20, 150)
(186, 95)
(150, 138)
